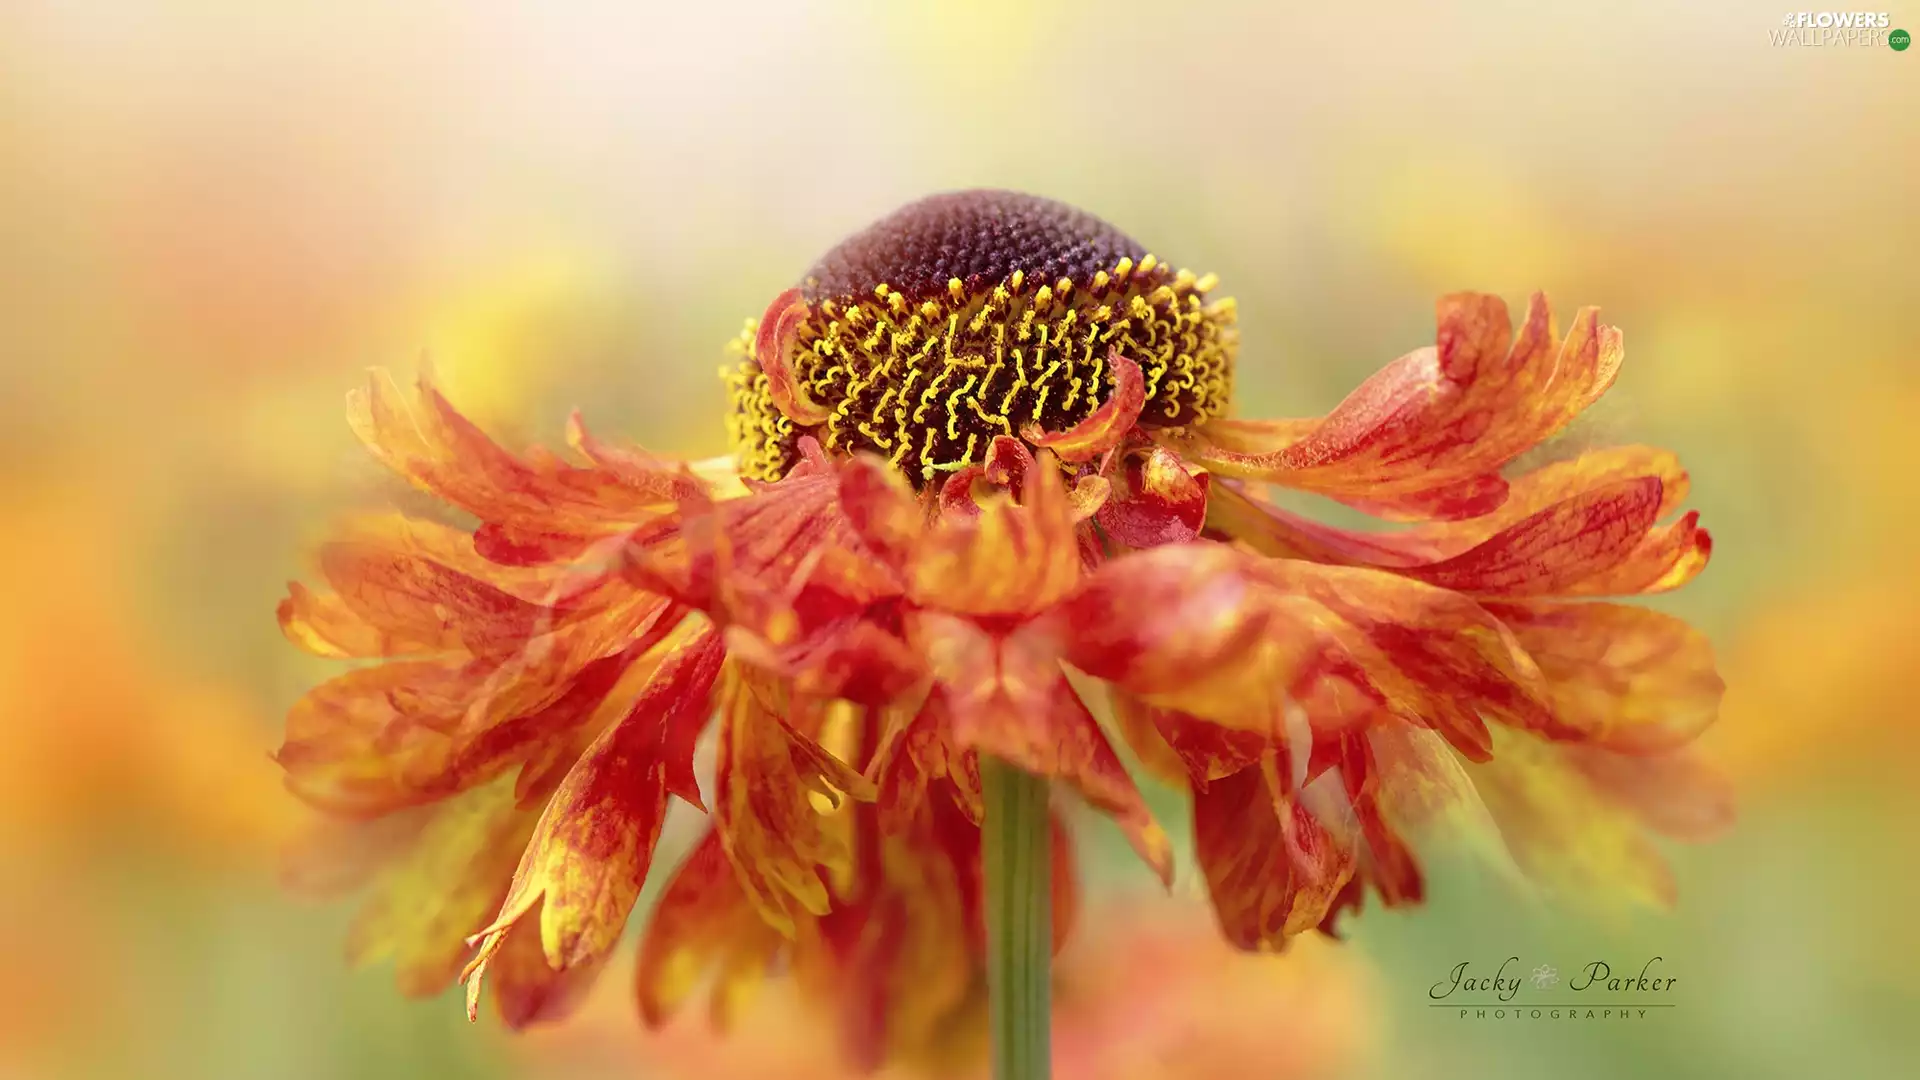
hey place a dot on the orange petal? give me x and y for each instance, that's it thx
(1243, 641)
(1427, 435)
(1549, 553)
(853, 658)
(662, 480)
(430, 900)
(591, 848)
(1105, 427)
(766, 821)
(894, 961)
(773, 350)
(1626, 678)
(1165, 619)
(1139, 725)
(1565, 531)
(881, 509)
(424, 606)
(427, 441)
(1565, 832)
(526, 989)
(1009, 699)
(1425, 793)
(1273, 867)
(915, 752)
(1161, 503)
(1014, 559)
(404, 733)
(1209, 751)
(1676, 794)
(703, 921)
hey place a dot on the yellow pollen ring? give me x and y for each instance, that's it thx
(928, 382)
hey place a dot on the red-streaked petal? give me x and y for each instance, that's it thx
(773, 350)
(881, 509)
(427, 607)
(763, 813)
(408, 732)
(1209, 751)
(916, 752)
(1556, 549)
(1166, 619)
(853, 658)
(666, 481)
(1626, 678)
(427, 441)
(1009, 698)
(1162, 503)
(1241, 640)
(1273, 866)
(1139, 725)
(526, 989)
(703, 922)
(1013, 559)
(1106, 426)
(902, 948)
(591, 848)
(1582, 527)
(430, 900)
(1427, 435)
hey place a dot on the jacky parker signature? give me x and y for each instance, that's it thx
(1596, 976)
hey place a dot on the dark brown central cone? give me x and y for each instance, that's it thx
(967, 317)
(977, 237)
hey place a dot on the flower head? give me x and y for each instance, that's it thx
(985, 493)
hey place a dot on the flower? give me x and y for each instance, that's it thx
(982, 478)
(1146, 991)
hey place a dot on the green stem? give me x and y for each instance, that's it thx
(1017, 850)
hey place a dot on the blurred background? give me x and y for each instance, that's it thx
(214, 216)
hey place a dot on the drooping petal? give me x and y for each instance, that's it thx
(443, 889)
(788, 547)
(527, 990)
(901, 950)
(408, 732)
(1105, 427)
(1566, 833)
(917, 752)
(427, 441)
(1139, 725)
(1274, 867)
(763, 779)
(1583, 527)
(1014, 559)
(407, 586)
(1425, 438)
(1009, 698)
(773, 350)
(702, 923)
(1625, 678)
(1240, 640)
(1551, 552)
(1161, 502)
(593, 843)
(1677, 793)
